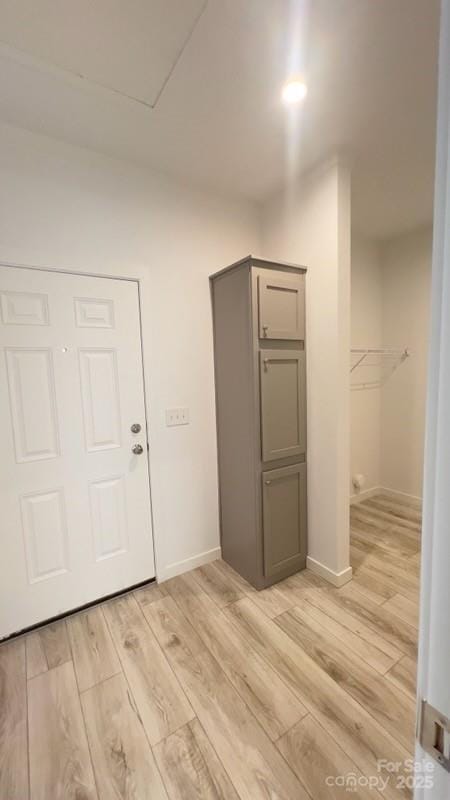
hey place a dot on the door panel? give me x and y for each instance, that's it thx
(284, 518)
(75, 519)
(283, 403)
(45, 534)
(108, 515)
(281, 304)
(100, 397)
(24, 308)
(31, 383)
(93, 313)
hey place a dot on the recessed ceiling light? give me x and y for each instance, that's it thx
(294, 91)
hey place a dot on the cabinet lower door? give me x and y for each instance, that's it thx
(284, 519)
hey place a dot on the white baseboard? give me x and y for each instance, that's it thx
(409, 498)
(336, 578)
(178, 567)
(394, 493)
(364, 495)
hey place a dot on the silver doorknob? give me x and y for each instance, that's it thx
(137, 449)
(135, 428)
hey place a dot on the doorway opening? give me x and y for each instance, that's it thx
(390, 310)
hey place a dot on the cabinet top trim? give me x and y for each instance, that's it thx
(252, 261)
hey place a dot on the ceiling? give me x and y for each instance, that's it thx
(192, 88)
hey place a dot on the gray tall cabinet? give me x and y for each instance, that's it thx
(260, 372)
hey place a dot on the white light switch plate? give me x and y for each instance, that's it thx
(177, 416)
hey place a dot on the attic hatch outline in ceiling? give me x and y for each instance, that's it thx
(34, 61)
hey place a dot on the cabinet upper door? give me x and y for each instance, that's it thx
(284, 519)
(283, 403)
(281, 303)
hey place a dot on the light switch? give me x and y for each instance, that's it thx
(177, 416)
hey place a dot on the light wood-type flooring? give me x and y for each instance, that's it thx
(204, 688)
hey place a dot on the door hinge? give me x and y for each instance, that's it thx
(434, 733)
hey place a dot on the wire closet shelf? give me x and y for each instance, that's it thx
(371, 367)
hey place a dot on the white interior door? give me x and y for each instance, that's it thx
(74, 499)
(434, 646)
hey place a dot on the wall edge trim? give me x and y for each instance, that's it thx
(364, 495)
(335, 578)
(178, 567)
(405, 495)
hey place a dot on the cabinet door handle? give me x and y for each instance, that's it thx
(267, 483)
(266, 364)
(265, 329)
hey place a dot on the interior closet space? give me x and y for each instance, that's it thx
(390, 298)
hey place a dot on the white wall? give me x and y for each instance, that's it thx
(310, 225)
(65, 207)
(406, 300)
(366, 331)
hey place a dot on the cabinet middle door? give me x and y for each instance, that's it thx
(281, 302)
(283, 403)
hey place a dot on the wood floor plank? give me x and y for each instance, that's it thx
(60, 764)
(297, 588)
(13, 722)
(416, 558)
(222, 589)
(376, 523)
(270, 600)
(123, 761)
(363, 739)
(399, 633)
(150, 593)
(367, 583)
(56, 643)
(326, 602)
(188, 774)
(267, 696)
(318, 761)
(405, 609)
(395, 564)
(35, 654)
(229, 573)
(392, 585)
(387, 542)
(372, 589)
(373, 656)
(395, 509)
(222, 783)
(373, 514)
(385, 573)
(392, 710)
(305, 579)
(162, 703)
(407, 501)
(403, 675)
(252, 761)
(94, 654)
